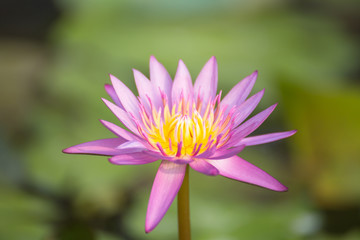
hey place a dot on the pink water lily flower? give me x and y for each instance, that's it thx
(181, 123)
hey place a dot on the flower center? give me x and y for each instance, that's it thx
(184, 132)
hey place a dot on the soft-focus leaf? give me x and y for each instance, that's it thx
(327, 146)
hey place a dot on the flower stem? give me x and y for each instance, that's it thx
(183, 208)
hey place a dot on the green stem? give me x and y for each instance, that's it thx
(183, 208)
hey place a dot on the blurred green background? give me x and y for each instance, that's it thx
(54, 61)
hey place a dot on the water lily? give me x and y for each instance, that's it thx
(184, 124)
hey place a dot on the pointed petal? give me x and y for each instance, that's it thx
(266, 138)
(119, 131)
(204, 167)
(159, 155)
(132, 146)
(160, 78)
(247, 107)
(250, 125)
(206, 82)
(166, 185)
(227, 153)
(127, 98)
(240, 92)
(182, 84)
(105, 147)
(132, 159)
(145, 89)
(122, 116)
(111, 92)
(241, 170)
(209, 152)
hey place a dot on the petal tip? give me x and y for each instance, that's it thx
(214, 172)
(149, 226)
(147, 230)
(181, 62)
(154, 62)
(292, 132)
(107, 102)
(254, 76)
(278, 187)
(135, 70)
(69, 150)
(213, 59)
(153, 58)
(281, 188)
(275, 186)
(261, 93)
(111, 160)
(214, 64)
(136, 73)
(113, 78)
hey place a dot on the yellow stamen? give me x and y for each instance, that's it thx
(183, 132)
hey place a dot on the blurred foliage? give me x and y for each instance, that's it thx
(327, 149)
(50, 100)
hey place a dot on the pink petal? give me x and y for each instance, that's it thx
(266, 138)
(209, 152)
(132, 146)
(182, 84)
(122, 116)
(181, 161)
(105, 147)
(241, 170)
(227, 153)
(132, 159)
(240, 92)
(160, 78)
(159, 155)
(250, 125)
(206, 82)
(247, 107)
(166, 185)
(204, 167)
(111, 92)
(119, 131)
(146, 89)
(127, 98)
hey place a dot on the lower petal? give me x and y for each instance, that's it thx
(136, 146)
(107, 147)
(241, 170)
(204, 167)
(166, 185)
(132, 159)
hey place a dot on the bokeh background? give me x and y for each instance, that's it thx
(54, 61)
